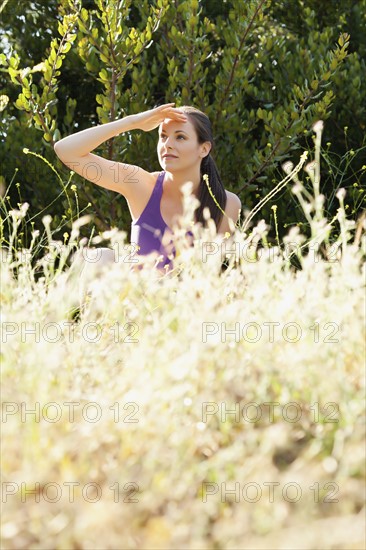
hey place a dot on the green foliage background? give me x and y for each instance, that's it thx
(263, 71)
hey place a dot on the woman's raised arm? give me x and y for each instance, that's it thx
(83, 142)
(75, 150)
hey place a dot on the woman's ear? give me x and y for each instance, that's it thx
(205, 149)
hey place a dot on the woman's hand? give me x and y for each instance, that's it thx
(148, 120)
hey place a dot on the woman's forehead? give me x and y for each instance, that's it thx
(171, 125)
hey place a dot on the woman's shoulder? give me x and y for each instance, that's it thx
(232, 211)
(150, 179)
(155, 174)
(233, 200)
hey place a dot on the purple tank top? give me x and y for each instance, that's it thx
(150, 228)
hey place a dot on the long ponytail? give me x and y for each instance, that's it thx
(209, 168)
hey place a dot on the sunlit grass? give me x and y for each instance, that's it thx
(133, 394)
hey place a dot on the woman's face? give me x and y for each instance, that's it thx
(178, 147)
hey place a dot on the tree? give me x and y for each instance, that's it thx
(264, 74)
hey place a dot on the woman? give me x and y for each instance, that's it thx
(155, 199)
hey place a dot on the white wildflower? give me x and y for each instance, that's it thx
(46, 220)
(287, 167)
(318, 126)
(341, 193)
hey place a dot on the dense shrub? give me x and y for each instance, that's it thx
(263, 71)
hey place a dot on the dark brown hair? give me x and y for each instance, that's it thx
(203, 128)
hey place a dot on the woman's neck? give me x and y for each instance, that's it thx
(174, 182)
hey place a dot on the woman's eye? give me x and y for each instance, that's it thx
(178, 137)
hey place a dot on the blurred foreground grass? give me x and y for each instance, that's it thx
(207, 409)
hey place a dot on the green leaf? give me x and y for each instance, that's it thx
(104, 75)
(66, 47)
(14, 62)
(84, 14)
(26, 92)
(13, 75)
(19, 104)
(37, 119)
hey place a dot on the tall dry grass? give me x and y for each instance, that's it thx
(132, 443)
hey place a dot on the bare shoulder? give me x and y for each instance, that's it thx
(155, 174)
(232, 198)
(149, 180)
(232, 211)
(233, 205)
